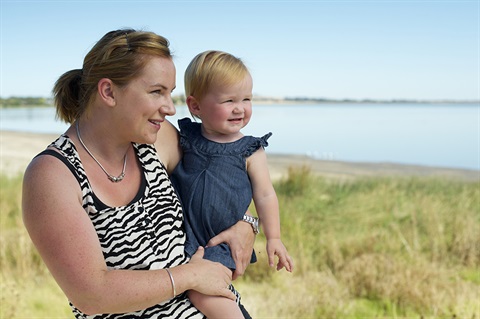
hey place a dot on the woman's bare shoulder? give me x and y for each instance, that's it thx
(45, 181)
(168, 146)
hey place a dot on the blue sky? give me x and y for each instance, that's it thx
(325, 49)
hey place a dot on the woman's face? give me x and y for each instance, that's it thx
(147, 100)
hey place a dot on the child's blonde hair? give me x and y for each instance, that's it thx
(211, 68)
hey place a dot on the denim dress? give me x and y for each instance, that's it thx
(214, 187)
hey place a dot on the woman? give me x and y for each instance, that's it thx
(98, 204)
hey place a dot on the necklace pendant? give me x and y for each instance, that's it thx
(115, 179)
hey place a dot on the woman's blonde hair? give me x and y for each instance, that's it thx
(211, 68)
(119, 56)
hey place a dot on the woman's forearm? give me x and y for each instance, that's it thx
(121, 291)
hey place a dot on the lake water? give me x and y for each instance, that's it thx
(426, 134)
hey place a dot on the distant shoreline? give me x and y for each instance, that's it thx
(297, 100)
(258, 100)
(18, 148)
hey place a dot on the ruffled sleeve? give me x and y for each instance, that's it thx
(255, 143)
(187, 129)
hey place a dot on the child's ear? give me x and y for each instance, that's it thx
(105, 91)
(193, 106)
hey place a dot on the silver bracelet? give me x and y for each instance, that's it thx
(173, 282)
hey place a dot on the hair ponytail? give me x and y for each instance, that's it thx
(66, 94)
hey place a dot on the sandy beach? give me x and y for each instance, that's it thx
(17, 149)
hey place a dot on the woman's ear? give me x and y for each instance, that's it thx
(105, 91)
(193, 106)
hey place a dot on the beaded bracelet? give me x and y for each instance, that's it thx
(173, 282)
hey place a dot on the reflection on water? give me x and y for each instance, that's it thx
(436, 135)
(35, 120)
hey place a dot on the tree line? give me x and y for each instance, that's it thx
(42, 101)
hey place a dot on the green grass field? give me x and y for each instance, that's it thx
(367, 248)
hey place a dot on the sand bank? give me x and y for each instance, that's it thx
(17, 149)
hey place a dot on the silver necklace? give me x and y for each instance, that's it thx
(113, 179)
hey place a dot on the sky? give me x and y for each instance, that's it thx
(383, 49)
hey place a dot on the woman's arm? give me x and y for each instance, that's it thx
(67, 242)
(168, 146)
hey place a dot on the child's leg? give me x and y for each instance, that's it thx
(215, 307)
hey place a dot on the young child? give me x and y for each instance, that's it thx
(222, 170)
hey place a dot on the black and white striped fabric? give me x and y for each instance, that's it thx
(145, 234)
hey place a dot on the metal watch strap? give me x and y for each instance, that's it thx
(253, 221)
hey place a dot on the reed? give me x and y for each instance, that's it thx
(27, 289)
(363, 248)
(376, 248)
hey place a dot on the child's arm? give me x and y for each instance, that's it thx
(266, 203)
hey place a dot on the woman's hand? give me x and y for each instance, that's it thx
(212, 278)
(240, 239)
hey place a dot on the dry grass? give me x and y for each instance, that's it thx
(367, 248)
(373, 248)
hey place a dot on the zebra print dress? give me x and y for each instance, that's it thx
(145, 234)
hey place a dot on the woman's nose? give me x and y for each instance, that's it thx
(168, 108)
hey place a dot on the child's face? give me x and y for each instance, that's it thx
(225, 110)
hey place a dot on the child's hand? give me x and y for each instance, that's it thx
(276, 247)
